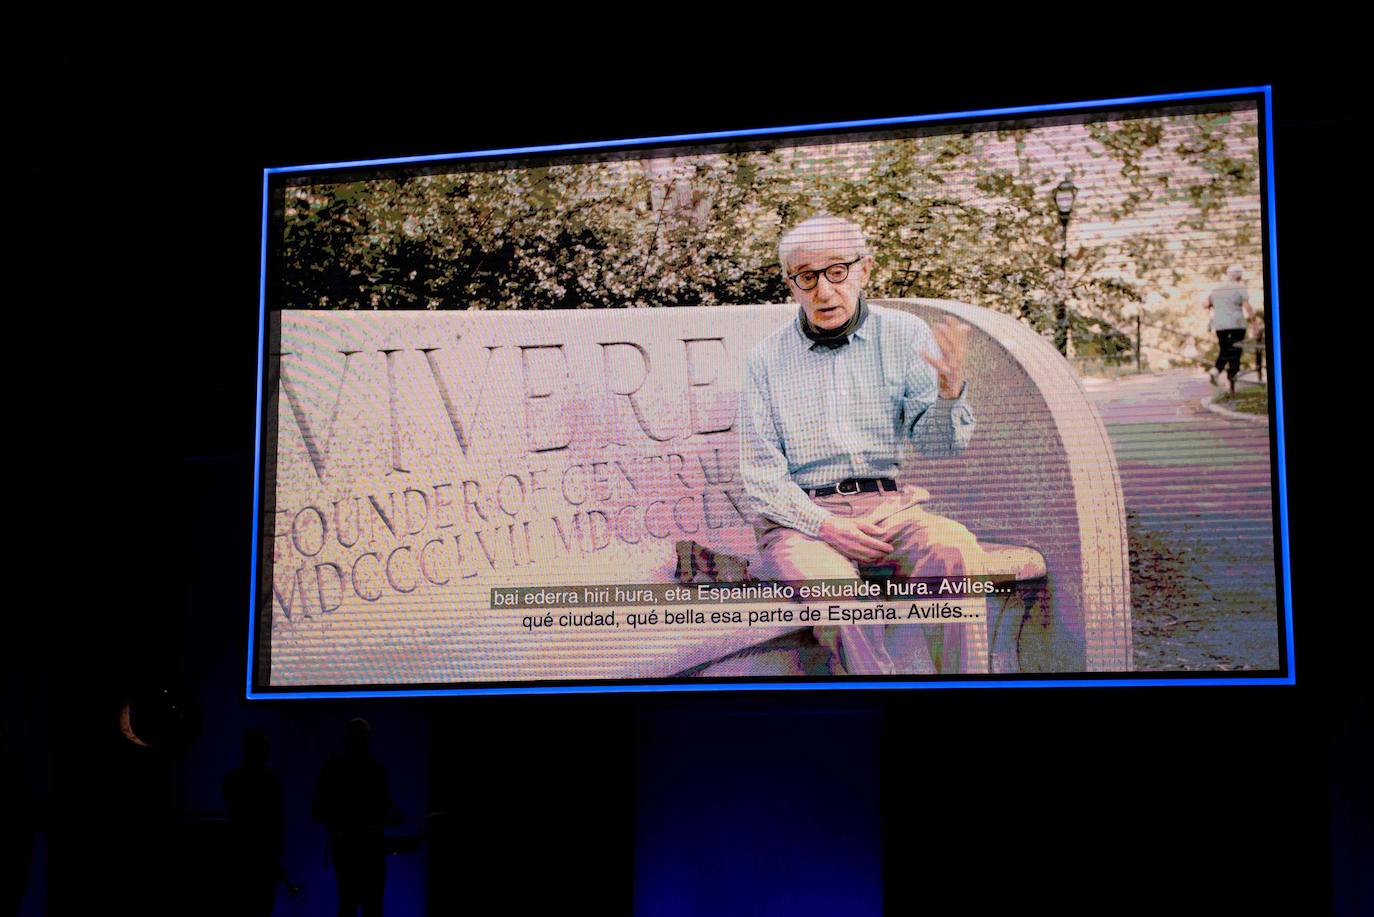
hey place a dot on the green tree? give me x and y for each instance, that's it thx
(963, 215)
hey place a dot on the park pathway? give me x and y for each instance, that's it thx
(1199, 524)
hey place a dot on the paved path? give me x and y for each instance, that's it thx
(1199, 524)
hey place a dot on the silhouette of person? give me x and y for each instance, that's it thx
(20, 828)
(353, 802)
(257, 824)
(1231, 314)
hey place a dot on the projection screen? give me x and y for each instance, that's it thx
(985, 398)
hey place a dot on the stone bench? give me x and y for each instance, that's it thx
(1007, 615)
(1039, 474)
(424, 457)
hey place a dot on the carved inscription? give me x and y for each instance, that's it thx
(418, 461)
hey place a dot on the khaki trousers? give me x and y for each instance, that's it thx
(923, 544)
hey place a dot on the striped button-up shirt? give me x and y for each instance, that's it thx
(813, 416)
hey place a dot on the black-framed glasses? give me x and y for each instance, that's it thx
(835, 273)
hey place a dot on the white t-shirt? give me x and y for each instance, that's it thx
(1228, 302)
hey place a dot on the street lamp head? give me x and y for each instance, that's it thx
(1064, 196)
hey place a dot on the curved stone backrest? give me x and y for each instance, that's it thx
(419, 459)
(1039, 471)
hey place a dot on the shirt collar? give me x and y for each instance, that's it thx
(862, 333)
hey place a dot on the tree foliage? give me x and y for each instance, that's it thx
(963, 215)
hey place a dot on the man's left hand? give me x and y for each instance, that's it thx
(952, 336)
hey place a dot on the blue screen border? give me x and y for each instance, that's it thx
(1287, 677)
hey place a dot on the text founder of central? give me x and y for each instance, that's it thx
(830, 400)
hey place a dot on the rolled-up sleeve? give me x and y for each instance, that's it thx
(763, 463)
(938, 427)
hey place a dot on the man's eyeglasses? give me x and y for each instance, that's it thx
(835, 273)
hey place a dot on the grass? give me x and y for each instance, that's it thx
(1247, 400)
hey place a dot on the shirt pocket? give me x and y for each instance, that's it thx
(896, 401)
(802, 426)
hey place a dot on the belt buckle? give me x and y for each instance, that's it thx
(839, 488)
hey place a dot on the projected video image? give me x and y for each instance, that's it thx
(952, 402)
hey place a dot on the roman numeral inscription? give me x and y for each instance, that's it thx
(422, 458)
(315, 447)
(446, 396)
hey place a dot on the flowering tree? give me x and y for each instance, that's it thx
(964, 215)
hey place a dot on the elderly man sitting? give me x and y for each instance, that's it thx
(830, 400)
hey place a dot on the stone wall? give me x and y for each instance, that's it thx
(415, 460)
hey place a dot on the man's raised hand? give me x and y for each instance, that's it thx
(855, 539)
(952, 336)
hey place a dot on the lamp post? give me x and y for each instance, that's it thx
(1064, 196)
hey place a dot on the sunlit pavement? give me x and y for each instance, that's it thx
(1199, 522)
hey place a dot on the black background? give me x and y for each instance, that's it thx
(1092, 799)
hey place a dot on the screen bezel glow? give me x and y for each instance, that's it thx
(1287, 674)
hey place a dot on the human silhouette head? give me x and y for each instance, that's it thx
(257, 747)
(356, 732)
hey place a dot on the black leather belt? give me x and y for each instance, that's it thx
(855, 486)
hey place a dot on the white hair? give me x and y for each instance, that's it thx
(822, 229)
(1235, 272)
